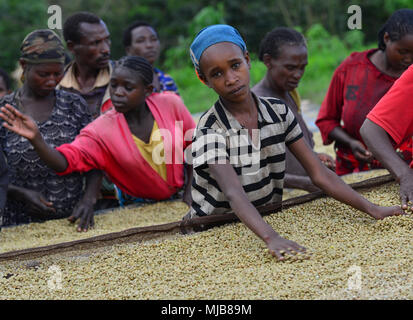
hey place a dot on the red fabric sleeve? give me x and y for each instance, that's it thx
(394, 112)
(329, 116)
(83, 154)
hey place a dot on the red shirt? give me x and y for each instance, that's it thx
(107, 144)
(356, 87)
(394, 112)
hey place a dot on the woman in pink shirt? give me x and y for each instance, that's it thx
(118, 141)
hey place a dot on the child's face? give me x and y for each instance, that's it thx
(127, 90)
(287, 70)
(225, 68)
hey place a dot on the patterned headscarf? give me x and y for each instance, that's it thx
(211, 35)
(42, 46)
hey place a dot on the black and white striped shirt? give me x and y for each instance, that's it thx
(258, 161)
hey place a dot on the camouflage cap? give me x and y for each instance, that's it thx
(42, 46)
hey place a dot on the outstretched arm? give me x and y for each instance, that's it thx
(379, 143)
(230, 185)
(299, 182)
(25, 126)
(332, 185)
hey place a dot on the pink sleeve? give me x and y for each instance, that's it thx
(329, 116)
(394, 112)
(83, 154)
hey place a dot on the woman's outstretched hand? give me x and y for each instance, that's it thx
(18, 122)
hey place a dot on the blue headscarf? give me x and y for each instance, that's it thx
(211, 35)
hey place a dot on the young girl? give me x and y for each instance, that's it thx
(358, 84)
(123, 141)
(240, 123)
(284, 53)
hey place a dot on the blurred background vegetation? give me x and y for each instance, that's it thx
(323, 22)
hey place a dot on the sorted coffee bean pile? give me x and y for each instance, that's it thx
(58, 231)
(353, 257)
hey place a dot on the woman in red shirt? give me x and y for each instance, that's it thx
(357, 85)
(118, 141)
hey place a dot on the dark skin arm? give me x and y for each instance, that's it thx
(333, 186)
(299, 182)
(378, 141)
(359, 151)
(230, 185)
(25, 126)
(84, 208)
(37, 205)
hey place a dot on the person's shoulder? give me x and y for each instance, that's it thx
(407, 76)
(276, 108)
(356, 58)
(162, 73)
(104, 123)
(273, 103)
(107, 116)
(165, 96)
(259, 89)
(167, 101)
(207, 119)
(76, 101)
(69, 96)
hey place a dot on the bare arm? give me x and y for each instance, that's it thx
(25, 126)
(299, 182)
(361, 154)
(332, 185)
(378, 141)
(84, 209)
(230, 185)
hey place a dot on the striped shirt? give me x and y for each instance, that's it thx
(259, 161)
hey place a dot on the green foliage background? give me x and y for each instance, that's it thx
(324, 23)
